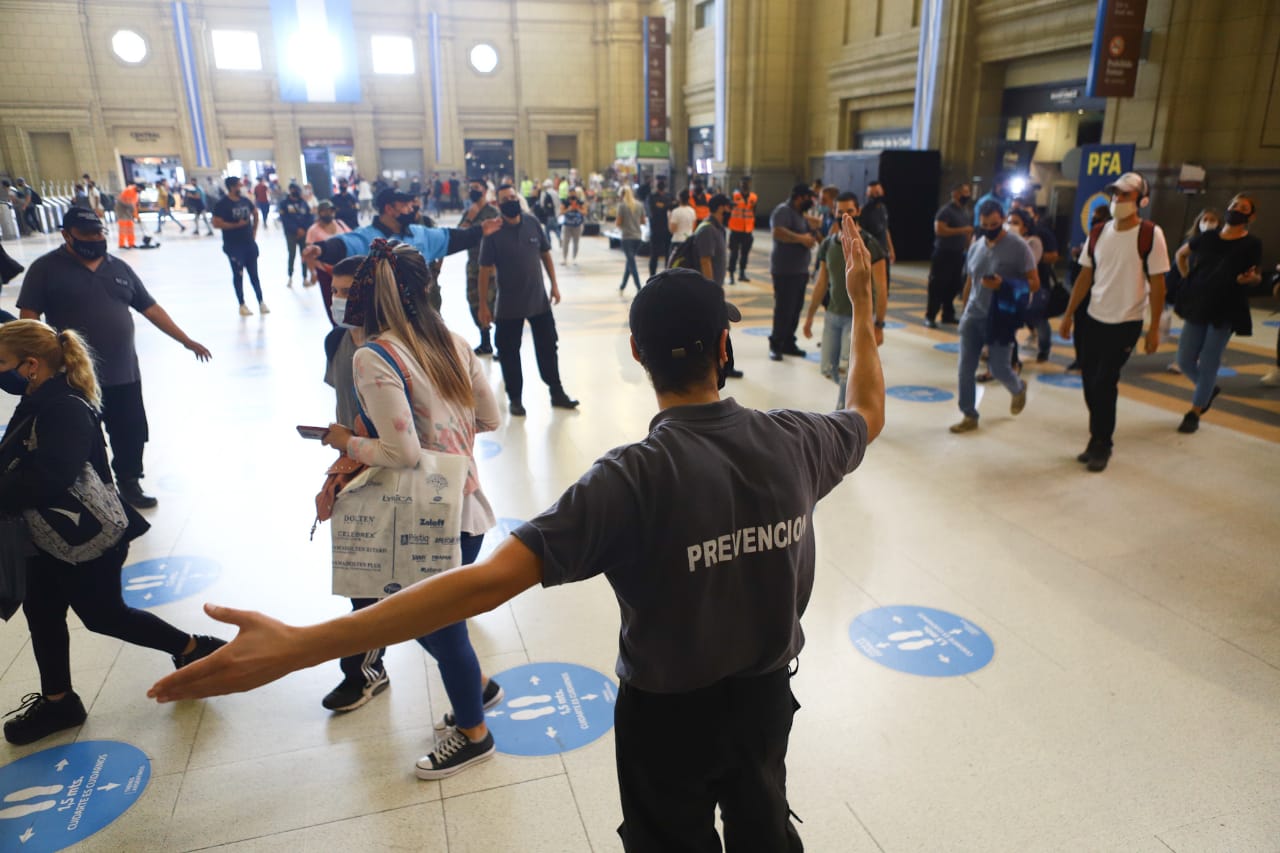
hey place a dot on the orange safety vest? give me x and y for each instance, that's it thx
(700, 208)
(743, 217)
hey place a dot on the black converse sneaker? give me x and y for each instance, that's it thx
(205, 646)
(39, 717)
(454, 754)
(354, 692)
(493, 694)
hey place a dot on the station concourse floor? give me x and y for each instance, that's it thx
(1132, 703)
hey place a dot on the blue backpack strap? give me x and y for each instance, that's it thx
(395, 365)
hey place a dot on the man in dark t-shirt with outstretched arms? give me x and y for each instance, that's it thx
(705, 708)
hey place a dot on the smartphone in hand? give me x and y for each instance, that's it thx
(312, 432)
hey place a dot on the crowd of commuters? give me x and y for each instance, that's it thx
(405, 383)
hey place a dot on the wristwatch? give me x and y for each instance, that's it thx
(879, 324)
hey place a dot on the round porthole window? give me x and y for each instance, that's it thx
(484, 58)
(129, 46)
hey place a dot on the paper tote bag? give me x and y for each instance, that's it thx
(394, 527)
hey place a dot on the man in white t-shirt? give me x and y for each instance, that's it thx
(1122, 273)
(681, 221)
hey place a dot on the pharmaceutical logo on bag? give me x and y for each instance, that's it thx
(439, 482)
(391, 587)
(397, 499)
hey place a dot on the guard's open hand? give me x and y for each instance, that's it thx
(262, 651)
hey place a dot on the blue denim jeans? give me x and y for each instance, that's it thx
(1200, 349)
(973, 337)
(450, 646)
(459, 668)
(837, 332)
(629, 250)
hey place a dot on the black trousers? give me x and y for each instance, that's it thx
(946, 277)
(1104, 348)
(507, 337)
(659, 250)
(788, 302)
(680, 755)
(92, 590)
(739, 247)
(295, 245)
(32, 219)
(126, 421)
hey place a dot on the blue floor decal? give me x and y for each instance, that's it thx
(921, 641)
(551, 708)
(60, 796)
(919, 394)
(487, 448)
(948, 346)
(1061, 380)
(151, 583)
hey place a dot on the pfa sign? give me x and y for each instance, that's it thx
(1099, 165)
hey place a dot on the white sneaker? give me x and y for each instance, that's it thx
(263, 309)
(289, 283)
(1271, 377)
(244, 310)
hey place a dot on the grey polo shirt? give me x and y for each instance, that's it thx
(712, 568)
(95, 303)
(1010, 258)
(710, 241)
(789, 258)
(952, 216)
(516, 252)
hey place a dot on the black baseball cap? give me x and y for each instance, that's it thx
(678, 313)
(81, 219)
(324, 204)
(801, 189)
(389, 196)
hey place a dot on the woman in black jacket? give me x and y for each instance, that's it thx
(54, 442)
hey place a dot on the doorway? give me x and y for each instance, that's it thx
(490, 159)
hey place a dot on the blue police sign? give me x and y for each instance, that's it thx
(150, 583)
(551, 708)
(58, 797)
(1099, 166)
(921, 641)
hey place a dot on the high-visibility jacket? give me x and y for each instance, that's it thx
(743, 216)
(526, 188)
(700, 206)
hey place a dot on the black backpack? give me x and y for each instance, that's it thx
(685, 255)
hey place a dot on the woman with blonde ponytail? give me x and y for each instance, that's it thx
(52, 457)
(446, 402)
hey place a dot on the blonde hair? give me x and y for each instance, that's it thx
(63, 351)
(628, 197)
(426, 334)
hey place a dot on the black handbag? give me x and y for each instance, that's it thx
(15, 548)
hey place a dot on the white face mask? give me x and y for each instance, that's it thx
(1206, 226)
(1123, 209)
(339, 312)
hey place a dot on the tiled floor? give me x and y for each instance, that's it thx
(1133, 703)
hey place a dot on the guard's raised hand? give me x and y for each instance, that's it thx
(857, 262)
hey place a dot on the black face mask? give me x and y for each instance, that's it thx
(90, 250)
(476, 195)
(806, 204)
(993, 234)
(407, 219)
(510, 209)
(326, 217)
(964, 199)
(1236, 217)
